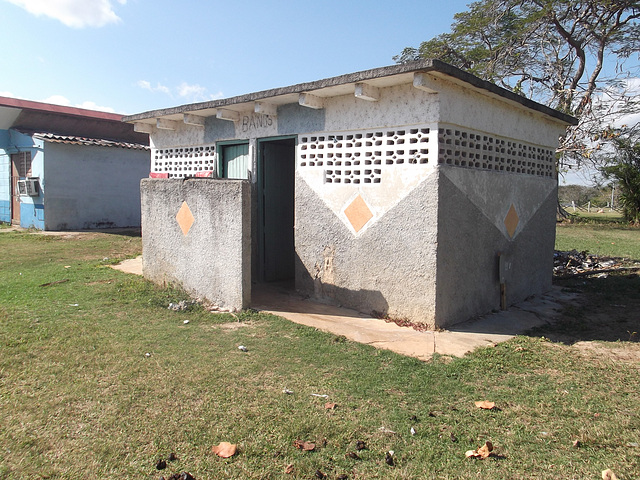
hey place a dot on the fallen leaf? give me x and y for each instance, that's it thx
(289, 469)
(360, 445)
(225, 449)
(608, 475)
(483, 452)
(353, 455)
(485, 405)
(330, 406)
(577, 444)
(388, 458)
(306, 446)
(319, 474)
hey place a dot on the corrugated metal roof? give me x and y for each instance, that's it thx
(72, 140)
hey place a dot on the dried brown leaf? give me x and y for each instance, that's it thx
(306, 446)
(225, 449)
(485, 404)
(483, 452)
(608, 475)
(289, 469)
(330, 406)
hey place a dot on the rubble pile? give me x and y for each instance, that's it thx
(582, 263)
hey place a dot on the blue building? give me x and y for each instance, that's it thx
(64, 168)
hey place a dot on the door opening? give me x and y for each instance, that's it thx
(276, 178)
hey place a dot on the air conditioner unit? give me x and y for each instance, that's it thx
(30, 187)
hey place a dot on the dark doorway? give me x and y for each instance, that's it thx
(276, 178)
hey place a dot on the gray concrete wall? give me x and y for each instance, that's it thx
(473, 206)
(388, 268)
(92, 187)
(212, 259)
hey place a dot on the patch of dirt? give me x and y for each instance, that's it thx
(628, 353)
(606, 308)
(232, 325)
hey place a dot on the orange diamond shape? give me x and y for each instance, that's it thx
(358, 213)
(511, 221)
(185, 218)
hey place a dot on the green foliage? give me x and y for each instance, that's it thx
(623, 166)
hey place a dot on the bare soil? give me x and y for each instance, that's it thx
(604, 319)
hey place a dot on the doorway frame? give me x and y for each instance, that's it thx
(260, 194)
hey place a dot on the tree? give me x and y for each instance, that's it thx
(622, 164)
(557, 52)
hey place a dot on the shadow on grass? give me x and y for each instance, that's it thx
(608, 309)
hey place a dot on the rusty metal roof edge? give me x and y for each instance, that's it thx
(427, 65)
(98, 142)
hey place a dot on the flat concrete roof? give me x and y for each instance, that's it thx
(344, 85)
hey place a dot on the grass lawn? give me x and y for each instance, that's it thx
(99, 380)
(604, 238)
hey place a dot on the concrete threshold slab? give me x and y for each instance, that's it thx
(131, 265)
(457, 341)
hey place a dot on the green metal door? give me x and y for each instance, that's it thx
(235, 161)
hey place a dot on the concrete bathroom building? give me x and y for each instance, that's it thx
(415, 191)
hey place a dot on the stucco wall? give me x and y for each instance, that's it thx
(386, 269)
(210, 255)
(92, 187)
(473, 229)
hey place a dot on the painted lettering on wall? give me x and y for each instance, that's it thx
(256, 120)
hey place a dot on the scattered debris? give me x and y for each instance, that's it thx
(573, 263)
(182, 305)
(213, 308)
(286, 391)
(57, 282)
(319, 395)
(413, 431)
(305, 446)
(353, 455)
(386, 430)
(453, 438)
(608, 475)
(181, 476)
(342, 476)
(577, 444)
(319, 474)
(186, 322)
(243, 348)
(360, 445)
(482, 452)
(330, 406)
(147, 354)
(172, 457)
(225, 449)
(161, 464)
(388, 458)
(289, 469)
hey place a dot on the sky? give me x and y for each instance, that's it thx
(131, 56)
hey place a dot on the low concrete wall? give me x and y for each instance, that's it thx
(197, 235)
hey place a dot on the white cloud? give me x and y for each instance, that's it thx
(73, 13)
(158, 88)
(184, 91)
(58, 100)
(89, 105)
(7, 94)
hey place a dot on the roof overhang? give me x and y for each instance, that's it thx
(362, 84)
